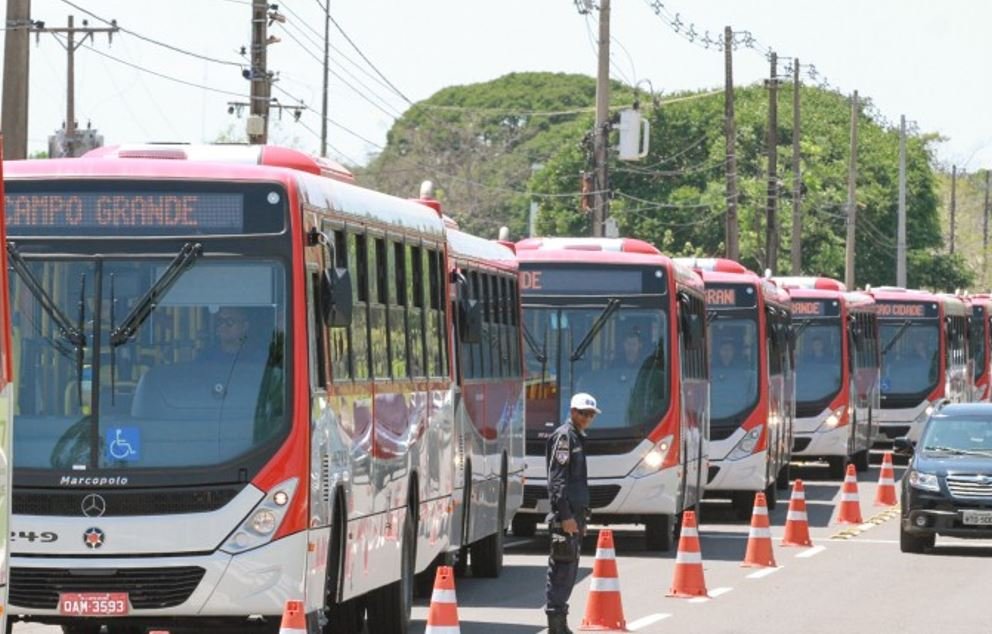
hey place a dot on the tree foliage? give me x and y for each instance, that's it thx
(481, 143)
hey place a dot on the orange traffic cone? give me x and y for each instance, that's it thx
(604, 609)
(293, 621)
(885, 494)
(688, 580)
(850, 505)
(759, 539)
(443, 615)
(796, 522)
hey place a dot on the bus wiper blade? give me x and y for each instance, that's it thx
(67, 330)
(895, 337)
(611, 307)
(532, 344)
(803, 325)
(130, 324)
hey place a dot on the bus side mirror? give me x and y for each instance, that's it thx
(336, 299)
(470, 321)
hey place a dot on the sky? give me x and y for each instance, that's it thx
(915, 57)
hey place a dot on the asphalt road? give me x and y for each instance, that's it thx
(852, 580)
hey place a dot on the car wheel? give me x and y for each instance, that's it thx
(909, 543)
(524, 525)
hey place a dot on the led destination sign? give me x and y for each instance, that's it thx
(905, 310)
(815, 308)
(124, 213)
(731, 296)
(607, 280)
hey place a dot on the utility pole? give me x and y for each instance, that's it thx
(771, 231)
(323, 108)
(601, 198)
(70, 45)
(732, 232)
(797, 256)
(901, 234)
(15, 79)
(954, 203)
(852, 204)
(261, 87)
(985, 232)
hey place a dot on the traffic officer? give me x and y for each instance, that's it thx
(568, 491)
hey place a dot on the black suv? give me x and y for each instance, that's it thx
(947, 488)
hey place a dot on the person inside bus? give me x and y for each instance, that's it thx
(817, 352)
(735, 376)
(629, 363)
(235, 340)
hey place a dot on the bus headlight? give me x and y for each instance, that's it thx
(653, 459)
(261, 524)
(833, 421)
(746, 445)
(924, 415)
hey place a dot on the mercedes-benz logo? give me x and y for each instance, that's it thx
(94, 505)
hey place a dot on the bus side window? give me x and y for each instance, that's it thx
(398, 352)
(358, 254)
(378, 296)
(435, 327)
(340, 338)
(415, 310)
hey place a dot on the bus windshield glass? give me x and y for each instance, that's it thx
(199, 380)
(818, 361)
(623, 363)
(733, 368)
(909, 357)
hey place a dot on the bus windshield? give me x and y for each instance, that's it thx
(909, 357)
(818, 361)
(624, 364)
(197, 381)
(733, 368)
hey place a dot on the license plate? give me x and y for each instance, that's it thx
(93, 603)
(977, 518)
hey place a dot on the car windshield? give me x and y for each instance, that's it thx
(198, 381)
(958, 434)
(624, 365)
(733, 367)
(818, 361)
(909, 360)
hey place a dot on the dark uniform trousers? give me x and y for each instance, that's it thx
(568, 491)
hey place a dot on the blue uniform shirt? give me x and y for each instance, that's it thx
(568, 486)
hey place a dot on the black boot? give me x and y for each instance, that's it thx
(558, 623)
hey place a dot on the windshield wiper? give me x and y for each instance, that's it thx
(130, 324)
(71, 333)
(942, 449)
(611, 307)
(803, 325)
(539, 354)
(896, 337)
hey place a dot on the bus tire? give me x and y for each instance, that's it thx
(524, 525)
(659, 532)
(743, 504)
(487, 553)
(389, 607)
(771, 495)
(784, 477)
(860, 460)
(461, 558)
(346, 617)
(837, 465)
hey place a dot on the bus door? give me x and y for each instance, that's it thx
(694, 396)
(776, 393)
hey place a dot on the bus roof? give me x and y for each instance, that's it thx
(575, 251)
(897, 294)
(617, 245)
(465, 245)
(810, 282)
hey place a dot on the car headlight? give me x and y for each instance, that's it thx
(746, 445)
(833, 421)
(263, 521)
(924, 481)
(653, 459)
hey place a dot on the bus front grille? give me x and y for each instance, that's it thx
(147, 588)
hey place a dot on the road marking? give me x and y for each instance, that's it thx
(812, 552)
(714, 593)
(873, 521)
(646, 621)
(518, 542)
(874, 541)
(764, 572)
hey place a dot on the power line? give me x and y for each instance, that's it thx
(151, 40)
(367, 60)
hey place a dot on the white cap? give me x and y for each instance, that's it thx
(584, 401)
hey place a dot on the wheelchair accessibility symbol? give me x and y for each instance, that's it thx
(124, 443)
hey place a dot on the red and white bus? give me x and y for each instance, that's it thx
(837, 371)
(6, 426)
(980, 337)
(238, 387)
(924, 346)
(615, 318)
(751, 367)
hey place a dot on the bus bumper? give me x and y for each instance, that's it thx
(894, 423)
(253, 583)
(746, 474)
(813, 439)
(655, 494)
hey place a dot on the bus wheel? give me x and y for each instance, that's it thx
(347, 617)
(837, 466)
(771, 495)
(742, 503)
(784, 477)
(524, 525)
(487, 553)
(861, 461)
(659, 532)
(389, 607)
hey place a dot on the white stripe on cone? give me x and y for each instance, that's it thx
(605, 584)
(848, 497)
(443, 596)
(606, 553)
(291, 630)
(688, 558)
(795, 516)
(760, 510)
(441, 629)
(757, 531)
(886, 481)
(690, 532)
(799, 495)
